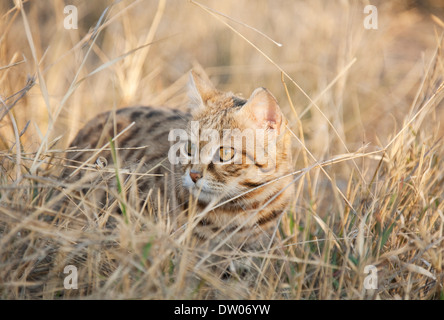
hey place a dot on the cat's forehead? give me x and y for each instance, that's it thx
(219, 112)
(216, 120)
(223, 100)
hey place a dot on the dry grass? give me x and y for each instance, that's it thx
(365, 107)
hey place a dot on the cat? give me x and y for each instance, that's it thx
(239, 189)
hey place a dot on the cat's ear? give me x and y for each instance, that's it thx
(200, 88)
(262, 110)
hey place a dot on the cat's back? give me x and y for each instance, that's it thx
(138, 133)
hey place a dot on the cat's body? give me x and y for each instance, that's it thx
(238, 205)
(142, 149)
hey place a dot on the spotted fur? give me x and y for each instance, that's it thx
(243, 202)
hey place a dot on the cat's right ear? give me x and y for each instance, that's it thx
(262, 111)
(200, 89)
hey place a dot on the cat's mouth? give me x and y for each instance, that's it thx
(208, 195)
(203, 195)
(203, 191)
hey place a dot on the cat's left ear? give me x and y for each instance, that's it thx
(263, 111)
(200, 88)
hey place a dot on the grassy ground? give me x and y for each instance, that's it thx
(365, 107)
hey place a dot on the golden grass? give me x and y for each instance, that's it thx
(364, 106)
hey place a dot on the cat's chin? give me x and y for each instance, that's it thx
(203, 196)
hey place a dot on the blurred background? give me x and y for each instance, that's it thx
(348, 87)
(363, 80)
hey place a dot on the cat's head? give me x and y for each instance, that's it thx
(235, 144)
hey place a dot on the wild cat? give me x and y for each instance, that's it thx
(238, 184)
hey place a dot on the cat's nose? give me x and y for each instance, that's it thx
(195, 175)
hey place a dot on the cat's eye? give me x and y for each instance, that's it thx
(189, 148)
(226, 154)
